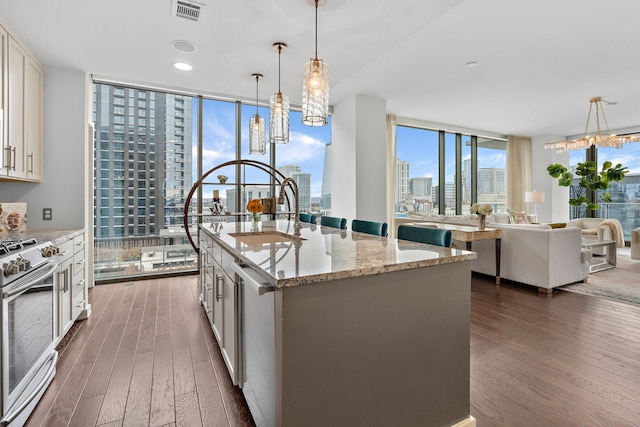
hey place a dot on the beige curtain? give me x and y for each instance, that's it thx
(391, 172)
(518, 173)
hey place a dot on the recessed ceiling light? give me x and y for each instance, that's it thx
(183, 66)
(183, 46)
(471, 64)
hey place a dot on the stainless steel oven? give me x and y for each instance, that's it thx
(29, 357)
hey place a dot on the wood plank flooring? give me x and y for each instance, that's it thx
(147, 357)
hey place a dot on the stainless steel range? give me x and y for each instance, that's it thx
(27, 284)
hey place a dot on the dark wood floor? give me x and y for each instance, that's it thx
(147, 357)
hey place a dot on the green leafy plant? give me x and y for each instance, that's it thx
(590, 180)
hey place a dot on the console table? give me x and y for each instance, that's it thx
(609, 257)
(469, 234)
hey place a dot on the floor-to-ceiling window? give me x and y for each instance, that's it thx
(417, 170)
(148, 155)
(624, 195)
(440, 172)
(491, 181)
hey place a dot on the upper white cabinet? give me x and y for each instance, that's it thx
(22, 107)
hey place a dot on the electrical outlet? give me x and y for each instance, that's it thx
(47, 214)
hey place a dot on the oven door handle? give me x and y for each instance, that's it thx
(52, 266)
(14, 413)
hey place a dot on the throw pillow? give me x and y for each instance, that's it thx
(558, 225)
(518, 218)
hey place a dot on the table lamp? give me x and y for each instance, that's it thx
(534, 197)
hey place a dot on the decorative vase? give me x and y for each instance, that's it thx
(255, 218)
(482, 219)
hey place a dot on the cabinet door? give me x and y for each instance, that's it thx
(65, 271)
(229, 322)
(3, 98)
(218, 290)
(33, 119)
(14, 163)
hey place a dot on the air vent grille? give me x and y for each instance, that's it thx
(188, 10)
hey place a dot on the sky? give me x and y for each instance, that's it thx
(306, 145)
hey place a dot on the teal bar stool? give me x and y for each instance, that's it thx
(369, 227)
(335, 222)
(309, 218)
(432, 236)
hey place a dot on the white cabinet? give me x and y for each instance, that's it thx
(64, 287)
(33, 107)
(219, 296)
(71, 282)
(22, 116)
(78, 281)
(3, 96)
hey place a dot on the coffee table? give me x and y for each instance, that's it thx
(609, 260)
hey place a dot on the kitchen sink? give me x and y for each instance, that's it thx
(264, 237)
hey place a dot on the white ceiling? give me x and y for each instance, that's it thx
(539, 61)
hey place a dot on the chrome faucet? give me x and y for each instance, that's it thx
(296, 225)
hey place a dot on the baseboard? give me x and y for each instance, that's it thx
(468, 422)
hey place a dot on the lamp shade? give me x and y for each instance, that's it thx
(257, 135)
(279, 118)
(315, 93)
(534, 196)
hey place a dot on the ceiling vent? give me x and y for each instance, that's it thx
(187, 10)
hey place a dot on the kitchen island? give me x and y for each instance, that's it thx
(333, 327)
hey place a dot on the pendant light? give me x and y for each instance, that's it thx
(257, 134)
(279, 108)
(315, 86)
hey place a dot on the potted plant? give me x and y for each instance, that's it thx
(591, 180)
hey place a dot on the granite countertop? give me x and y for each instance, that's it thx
(324, 253)
(42, 236)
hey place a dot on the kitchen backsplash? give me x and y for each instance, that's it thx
(13, 217)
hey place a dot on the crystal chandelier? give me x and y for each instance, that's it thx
(279, 109)
(600, 139)
(315, 85)
(257, 134)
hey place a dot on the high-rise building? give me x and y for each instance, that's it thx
(304, 189)
(491, 181)
(402, 181)
(287, 170)
(303, 180)
(325, 201)
(142, 160)
(421, 187)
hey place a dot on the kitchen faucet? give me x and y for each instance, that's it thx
(296, 225)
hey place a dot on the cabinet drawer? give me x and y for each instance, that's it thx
(78, 244)
(65, 251)
(227, 260)
(77, 283)
(77, 305)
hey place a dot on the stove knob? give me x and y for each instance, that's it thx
(21, 265)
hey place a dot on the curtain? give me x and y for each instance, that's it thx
(518, 171)
(391, 172)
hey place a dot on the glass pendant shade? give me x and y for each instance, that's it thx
(257, 135)
(315, 93)
(279, 118)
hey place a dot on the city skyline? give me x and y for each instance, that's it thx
(306, 146)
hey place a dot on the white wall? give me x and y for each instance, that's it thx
(63, 181)
(556, 201)
(359, 138)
